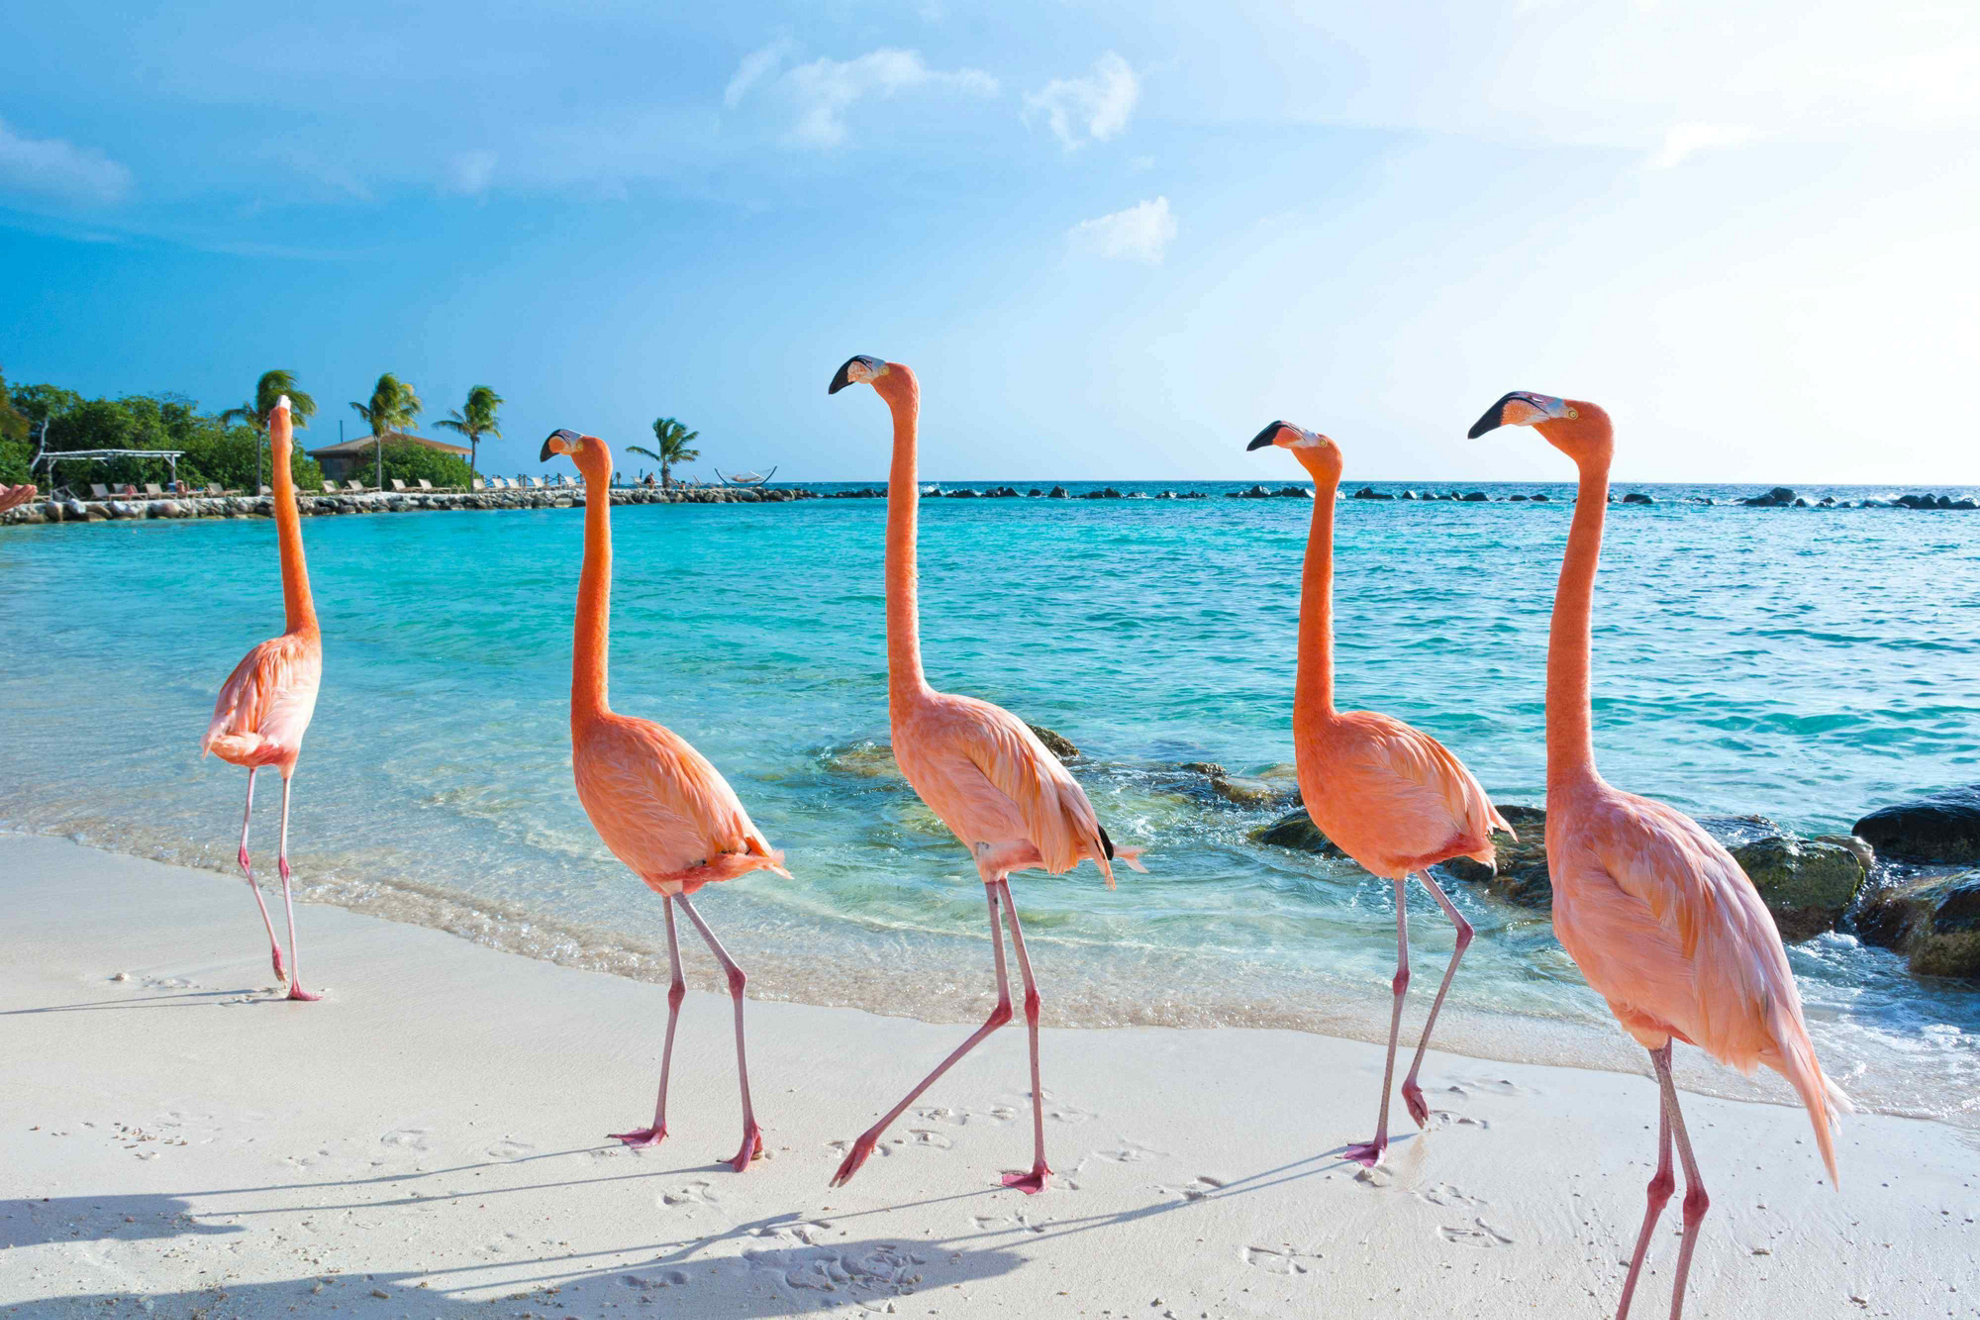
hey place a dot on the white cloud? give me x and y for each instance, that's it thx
(61, 170)
(470, 172)
(826, 89)
(1094, 108)
(1686, 140)
(754, 68)
(1142, 233)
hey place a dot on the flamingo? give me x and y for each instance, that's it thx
(12, 497)
(978, 767)
(1390, 796)
(1659, 917)
(657, 803)
(266, 703)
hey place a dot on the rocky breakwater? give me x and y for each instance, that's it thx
(1928, 908)
(250, 506)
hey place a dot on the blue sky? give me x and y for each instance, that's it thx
(1113, 239)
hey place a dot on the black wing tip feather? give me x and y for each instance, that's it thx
(1106, 844)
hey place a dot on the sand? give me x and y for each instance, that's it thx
(429, 1141)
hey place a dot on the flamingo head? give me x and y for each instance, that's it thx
(1313, 450)
(890, 380)
(1572, 426)
(279, 423)
(859, 367)
(587, 451)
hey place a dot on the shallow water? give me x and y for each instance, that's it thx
(1807, 666)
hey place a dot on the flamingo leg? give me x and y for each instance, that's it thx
(1661, 1185)
(247, 869)
(1033, 1182)
(752, 1142)
(1412, 1094)
(282, 864)
(676, 992)
(1368, 1154)
(1696, 1202)
(863, 1146)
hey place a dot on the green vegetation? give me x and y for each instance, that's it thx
(409, 462)
(15, 451)
(672, 439)
(217, 453)
(475, 420)
(267, 392)
(393, 406)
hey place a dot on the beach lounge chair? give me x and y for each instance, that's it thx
(398, 485)
(477, 484)
(154, 490)
(99, 491)
(265, 490)
(213, 490)
(329, 488)
(425, 485)
(355, 486)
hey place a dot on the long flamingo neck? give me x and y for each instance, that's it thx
(297, 606)
(1313, 689)
(1570, 734)
(905, 680)
(591, 643)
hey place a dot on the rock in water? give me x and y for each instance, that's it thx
(1944, 827)
(1056, 743)
(1934, 922)
(1297, 831)
(1806, 883)
(1521, 875)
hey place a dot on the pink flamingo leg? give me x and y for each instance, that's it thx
(752, 1142)
(282, 864)
(1412, 1094)
(1660, 1188)
(1034, 1182)
(1368, 1154)
(999, 1015)
(1696, 1202)
(676, 992)
(274, 945)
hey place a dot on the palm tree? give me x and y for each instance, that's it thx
(475, 420)
(393, 407)
(272, 386)
(673, 439)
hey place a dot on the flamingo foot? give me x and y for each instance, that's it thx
(1031, 1184)
(296, 992)
(1367, 1154)
(643, 1139)
(1412, 1095)
(854, 1158)
(752, 1148)
(275, 956)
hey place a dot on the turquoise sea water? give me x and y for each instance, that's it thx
(1803, 665)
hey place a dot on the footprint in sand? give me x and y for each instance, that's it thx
(1477, 1234)
(1131, 1152)
(695, 1193)
(1069, 1114)
(801, 1233)
(1447, 1194)
(1283, 1259)
(168, 983)
(930, 1138)
(508, 1148)
(667, 1279)
(1005, 1223)
(1196, 1188)
(414, 1139)
(1488, 1085)
(887, 1147)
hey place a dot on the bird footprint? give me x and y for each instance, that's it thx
(1478, 1234)
(1278, 1260)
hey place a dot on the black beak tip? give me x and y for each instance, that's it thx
(544, 456)
(1264, 437)
(840, 379)
(561, 433)
(1494, 418)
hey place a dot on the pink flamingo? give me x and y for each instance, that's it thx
(657, 803)
(977, 766)
(265, 704)
(1659, 917)
(1391, 797)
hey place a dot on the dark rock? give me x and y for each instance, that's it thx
(961, 494)
(1807, 884)
(1735, 832)
(1057, 493)
(1943, 827)
(1934, 922)
(1056, 743)
(1034, 492)
(1476, 497)
(1515, 499)
(1543, 499)
(1410, 495)
(1521, 875)
(1292, 493)
(1297, 831)
(1800, 503)
(1370, 493)
(1638, 497)
(1961, 504)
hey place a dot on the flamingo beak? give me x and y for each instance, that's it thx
(1268, 436)
(1523, 408)
(857, 368)
(560, 442)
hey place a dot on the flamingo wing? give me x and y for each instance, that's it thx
(1058, 820)
(1434, 782)
(659, 805)
(265, 705)
(1682, 938)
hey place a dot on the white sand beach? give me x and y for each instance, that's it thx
(429, 1141)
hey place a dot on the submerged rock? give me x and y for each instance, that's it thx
(1056, 743)
(1933, 922)
(1941, 827)
(1521, 875)
(1806, 883)
(1638, 497)
(1297, 831)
